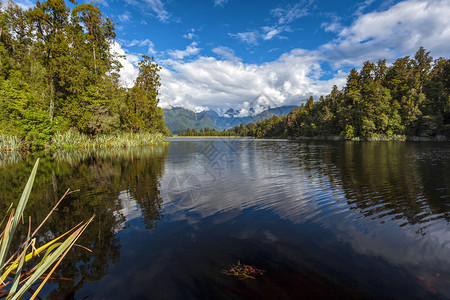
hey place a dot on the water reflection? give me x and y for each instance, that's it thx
(384, 181)
(322, 218)
(386, 200)
(115, 185)
(389, 181)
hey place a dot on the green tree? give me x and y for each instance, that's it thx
(142, 112)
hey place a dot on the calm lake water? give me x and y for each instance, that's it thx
(322, 219)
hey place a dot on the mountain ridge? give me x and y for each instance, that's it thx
(178, 118)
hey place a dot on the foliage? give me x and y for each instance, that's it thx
(410, 98)
(74, 140)
(10, 143)
(58, 73)
(107, 178)
(15, 281)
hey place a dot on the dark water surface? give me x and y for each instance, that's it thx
(323, 219)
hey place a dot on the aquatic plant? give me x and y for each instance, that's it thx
(10, 143)
(14, 280)
(75, 140)
(243, 271)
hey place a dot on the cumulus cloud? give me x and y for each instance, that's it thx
(400, 30)
(226, 53)
(190, 50)
(129, 71)
(217, 84)
(225, 81)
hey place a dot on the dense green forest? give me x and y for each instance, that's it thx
(410, 98)
(58, 74)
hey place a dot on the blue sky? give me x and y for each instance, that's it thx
(240, 53)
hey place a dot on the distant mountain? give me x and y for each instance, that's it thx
(267, 114)
(282, 110)
(228, 120)
(180, 118)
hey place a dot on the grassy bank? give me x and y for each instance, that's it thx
(210, 137)
(73, 140)
(377, 138)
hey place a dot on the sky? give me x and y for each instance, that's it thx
(220, 54)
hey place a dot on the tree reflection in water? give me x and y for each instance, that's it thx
(101, 177)
(386, 181)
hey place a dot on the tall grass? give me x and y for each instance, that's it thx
(10, 143)
(14, 283)
(74, 140)
(75, 156)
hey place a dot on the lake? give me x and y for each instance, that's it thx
(354, 220)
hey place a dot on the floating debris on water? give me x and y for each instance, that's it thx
(243, 271)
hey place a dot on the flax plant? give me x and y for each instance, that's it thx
(74, 140)
(14, 281)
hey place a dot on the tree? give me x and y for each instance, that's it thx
(51, 19)
(142, 111)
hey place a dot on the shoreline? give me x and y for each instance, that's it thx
(76, 141)
(397, 138)
(71, 141)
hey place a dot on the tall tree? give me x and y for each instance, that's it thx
(51, 19)
(142, 112)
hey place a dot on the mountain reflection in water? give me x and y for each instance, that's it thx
(323, 219)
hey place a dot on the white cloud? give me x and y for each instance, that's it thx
(220, 3)
(129, 71)
(189, 51)
(103, 2)
(25, 4)
(270, 32)
(289, 14)
(226, 53)
(249, 37)
(225, 81)
(334, 25)
(284, 16)
(157, 6)
(363, 6)
(208, 82)
(125, 17)
(142, 43)
(398, 31)
(190, 35)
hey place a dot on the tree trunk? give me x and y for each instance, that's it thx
(52, 100)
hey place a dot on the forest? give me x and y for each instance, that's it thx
(408, 99)
(58, 74)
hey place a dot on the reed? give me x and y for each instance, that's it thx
(14, 282)
(73, 140)
(387, 138)
(10, 143)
